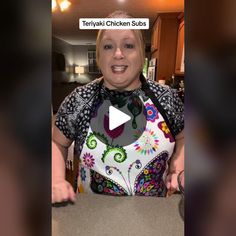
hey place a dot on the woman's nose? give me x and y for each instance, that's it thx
(118, 54)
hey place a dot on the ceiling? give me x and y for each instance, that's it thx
(65, 25)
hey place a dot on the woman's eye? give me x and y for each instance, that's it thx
(129, 45)
(107, 46)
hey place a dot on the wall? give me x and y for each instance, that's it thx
(65, 48)
(74, 55)
(63, 82)
(81, 59)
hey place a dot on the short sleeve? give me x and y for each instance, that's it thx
(67, 115)
(174, 108)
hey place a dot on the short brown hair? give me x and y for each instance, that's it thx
(138, 34)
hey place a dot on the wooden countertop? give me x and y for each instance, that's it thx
(101, 215)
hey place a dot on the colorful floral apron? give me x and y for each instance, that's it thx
(135, 169)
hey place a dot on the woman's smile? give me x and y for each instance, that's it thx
(119, 69)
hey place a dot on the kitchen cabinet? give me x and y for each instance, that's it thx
(155, 35)
(179, 67)
(164, 44)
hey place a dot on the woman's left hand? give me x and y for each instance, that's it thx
(171, 183)
(176, 165)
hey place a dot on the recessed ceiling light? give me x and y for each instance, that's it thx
(64, 4)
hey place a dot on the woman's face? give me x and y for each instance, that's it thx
(120, 59)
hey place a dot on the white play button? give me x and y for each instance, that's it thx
(118, 123)
(117, 118)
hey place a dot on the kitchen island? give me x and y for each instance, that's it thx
(101, 215)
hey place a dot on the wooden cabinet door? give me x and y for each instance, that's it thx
(164, 44)
(155, 39)
(179, 67)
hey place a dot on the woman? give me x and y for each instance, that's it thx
(150, 164)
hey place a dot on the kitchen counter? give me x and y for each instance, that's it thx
(101, 215)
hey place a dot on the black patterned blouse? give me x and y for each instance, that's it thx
(74, 114)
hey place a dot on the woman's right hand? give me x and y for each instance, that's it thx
(62, 191)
